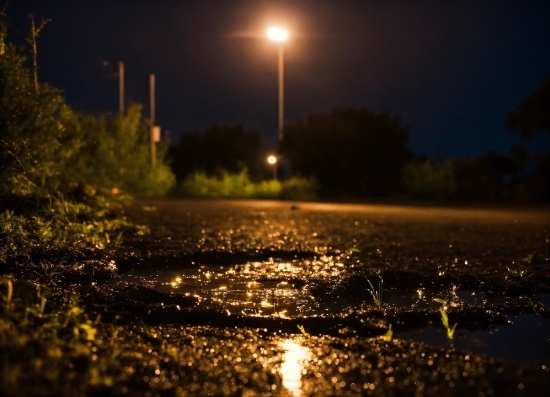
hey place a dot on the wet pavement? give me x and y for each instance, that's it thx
(301, 295)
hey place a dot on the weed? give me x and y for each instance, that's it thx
(302, 330)
(445, 319)
(535, 305)
(388, 335)
(377, 294)
(529, 258)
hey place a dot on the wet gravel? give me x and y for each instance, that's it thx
(202, 347)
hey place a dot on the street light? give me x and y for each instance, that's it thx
(273, 161)
(279, 35)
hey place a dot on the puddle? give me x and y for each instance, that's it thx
(255, 288)
(263, 288)
(525, 341)
(277, 289)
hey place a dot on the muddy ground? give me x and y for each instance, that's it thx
(331, 262)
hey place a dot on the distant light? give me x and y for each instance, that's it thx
(272, 159)
(277, 34)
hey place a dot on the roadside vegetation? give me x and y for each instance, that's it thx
(239, 185)
(65, 178)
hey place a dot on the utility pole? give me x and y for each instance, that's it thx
(153, 127)
(121, 87)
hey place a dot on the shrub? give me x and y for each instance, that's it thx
(239, 185)
(429, 180)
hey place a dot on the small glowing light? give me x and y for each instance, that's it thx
(266, 304)
(277, 34)
(178, 279)
(272, 159)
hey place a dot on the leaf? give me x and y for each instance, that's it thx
(444, 317)
(388, 335)
(529, 258)
(438, 300)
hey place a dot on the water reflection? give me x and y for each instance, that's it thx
(293, 366)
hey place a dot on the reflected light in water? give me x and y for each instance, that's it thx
(293, 367)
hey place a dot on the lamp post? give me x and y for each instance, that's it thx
(279, 35)
(273, 161)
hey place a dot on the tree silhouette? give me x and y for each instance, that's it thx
(221, 147)
(533, 115)
(350, 151)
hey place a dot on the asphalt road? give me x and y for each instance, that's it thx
(332, 253)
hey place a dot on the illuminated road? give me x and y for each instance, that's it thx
(315, 285)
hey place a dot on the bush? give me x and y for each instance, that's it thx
(239, 185)
(429, 180)
(116, 154)
(298, 188)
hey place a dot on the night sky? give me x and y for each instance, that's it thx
(450, 69)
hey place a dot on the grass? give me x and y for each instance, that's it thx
(377, 295)
(450, 330)
(53, 346)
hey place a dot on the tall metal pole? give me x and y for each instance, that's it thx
(152, 135)
(121, 87)
(281, 93)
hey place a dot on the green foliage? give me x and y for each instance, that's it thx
(349, 151)
(302, 330)
(387, 337)
(239, 185)
(377, 295)
(35, 129)
(445, 319)
(298, 188)
(429, 180)
(46, 148)
(116, 154)
(52, 346)
(62, 222)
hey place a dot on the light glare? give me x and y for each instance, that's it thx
(277, 34)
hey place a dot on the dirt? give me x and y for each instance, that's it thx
(192, 345)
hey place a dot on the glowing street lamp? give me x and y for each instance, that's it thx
(273, 161)
(279, 35)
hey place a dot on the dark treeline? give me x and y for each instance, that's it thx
(356, 153)
(221, 147)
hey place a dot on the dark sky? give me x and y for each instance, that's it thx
(449, 69)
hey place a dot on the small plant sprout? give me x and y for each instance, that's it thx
(388, 335)
(445, 319)
(535, 305)
(9, 284)
(528, 258)
(376, 295)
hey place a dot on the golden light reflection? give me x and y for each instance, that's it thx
(293, 366)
